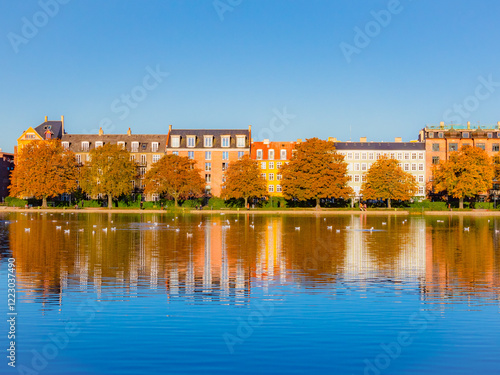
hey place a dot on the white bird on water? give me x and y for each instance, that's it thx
(384, 223)
(297, 228)
(113, 228)
(347, 227)
(66, 231)
(466, 229)
(104, 229)
(338, 231)
(80, 230)
(371, 229)
(189, 234)
(329, 227)
(177, 230)
(58, 227)
(251, 226)
(26, 229)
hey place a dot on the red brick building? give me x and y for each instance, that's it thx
(6, 166)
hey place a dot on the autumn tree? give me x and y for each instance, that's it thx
(316, 171)
(175, 176)
(244, 180)
(109, 172)
(386, 180)
(467, 172)
(43, 169)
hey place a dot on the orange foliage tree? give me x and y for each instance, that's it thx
(386, 180)
(316, 171)
(244, 180)
(44, 169)
(109, 172)
(467, 172)
(176, 176)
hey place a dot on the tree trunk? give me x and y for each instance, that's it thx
(318, 206)
(461, 204)
(176, 201)
(389, 203)
(110, 201)
(44, 201)
(246, 201)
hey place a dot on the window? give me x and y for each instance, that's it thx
(435, 147)
(208, 178)
(176, 141)
(349, 177)
(278, 165)
(421, 190)
(356, 155)
(259, 154)
(143, 159)
(421, 178)
(240, 141)
(224, 166)
(356, 166)
(155, 197)
(431, 135)
(370, 156)
(144, 146)
(225, 155)
(225, 141)
(356, 178)
(407, 156)
(421, 167)
(495, 147)
(154, 146)
(263, 175)
(191, 140)
(263, 165)
(270, 154)
(392, 155)
(191, 155)
(421, 155)
(271, 188)
(435, 160)
(156, 157)
(135, 147)
(208, 167)
(400, 156)
(363, 166)
(271, 165)
(132, 157)
(413, 166)
(465, 135)
(363, 178)
(283, 154)
(208, 155)
(490, 135)
(407, 167)
(377, 155)
(440, 135)
(240, 154)
(349, 155)
(481, 146)
(278, 188)
(413, 156)
(278, 177)
(79, 159)
(175, 153)
(453, 146)
(65, 145)
(271, 176)
(121, 144)
(363, 155)
(85, 146)
(208, 141)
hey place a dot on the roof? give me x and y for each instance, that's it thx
(381, 146)
(145, 140)
(216, 133)
(54, 126)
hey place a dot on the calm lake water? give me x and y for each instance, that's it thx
(252, 294)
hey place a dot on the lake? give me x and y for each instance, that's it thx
(252, 294)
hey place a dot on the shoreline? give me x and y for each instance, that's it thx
(324, 212)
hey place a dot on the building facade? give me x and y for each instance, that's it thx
(271, 156)
(361, 155)
(6, 167)
(45, 131)
(211, 149)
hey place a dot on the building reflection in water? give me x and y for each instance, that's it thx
(225, 256)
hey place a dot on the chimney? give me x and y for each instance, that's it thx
(332, 139)
(129, 132)
(169, 128)
(62, 125)
(46, 119)
(398, 139)
(299, 140)
(266, 141)
(249, 131)
(441, 124)
(468, 124)
(100, 131)
(498, 125)
(362, 139)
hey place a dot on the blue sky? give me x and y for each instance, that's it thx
(278, 65)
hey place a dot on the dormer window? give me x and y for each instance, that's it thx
(191, 140)
(135, 147)
(98, 144)
(465, 135)
(144, 146)
(440, 134)
(240, 141)
(121, 144)
(85, 146)
(176, 141)
(283, 154)
(65, 145)
(154, 146)
(225, 141)
(208, 141)
(259, 154)
(48, 134)
(431, 134)
(270, 154)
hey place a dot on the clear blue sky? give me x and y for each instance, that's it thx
(245, 62)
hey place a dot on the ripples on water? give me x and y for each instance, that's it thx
(253, 294)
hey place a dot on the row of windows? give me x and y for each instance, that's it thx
(362, 178)
(271, 188)
(454, 146)
(208, 154)
(376, 155)
(270, 176)
(404, 166)
(270, 165)
(464, 134)
(208, 141)
(85, 146)
(270, 154)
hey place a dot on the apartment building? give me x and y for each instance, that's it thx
(6, 167)
(211, 149)
(45, 131)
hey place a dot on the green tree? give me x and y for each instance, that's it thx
(386, 180)
(109, 172)
(316, 171)
(466, 173)
(176, 176)
(244, 180)
(44, 169)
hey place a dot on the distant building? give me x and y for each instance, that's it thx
(6, 167)
(361, 155)
(271, 157)
(45, 131)
(211, 149)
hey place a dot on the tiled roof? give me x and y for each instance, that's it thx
(216, 133)
(54, 126)
(380, 146)
(145, 140)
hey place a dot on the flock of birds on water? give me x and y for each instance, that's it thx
(225, 225)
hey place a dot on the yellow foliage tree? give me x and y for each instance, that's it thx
(244, 180)
(386, 180)
(466, 173)
(44, 169)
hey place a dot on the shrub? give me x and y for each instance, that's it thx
(216, 203)
(15, 202)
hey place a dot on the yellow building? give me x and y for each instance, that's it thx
(46, 130)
